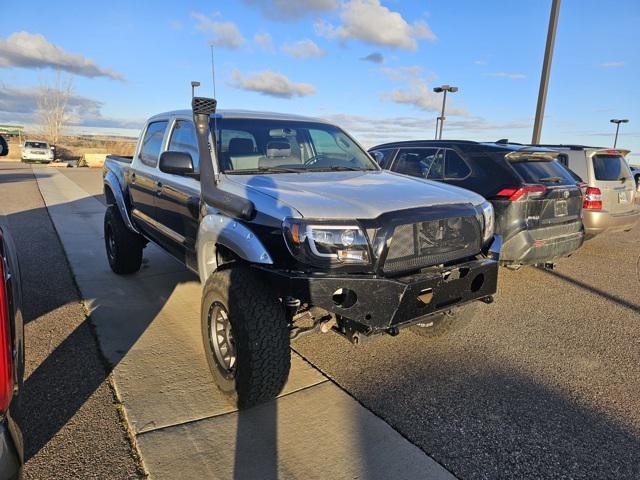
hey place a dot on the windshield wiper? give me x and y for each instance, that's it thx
(551, 179)
(253, 171)
(337, 168)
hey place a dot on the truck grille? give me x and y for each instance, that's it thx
(422, 244)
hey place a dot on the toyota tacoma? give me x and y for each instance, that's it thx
(293, 228)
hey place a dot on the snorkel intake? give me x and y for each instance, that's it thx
(210, 194)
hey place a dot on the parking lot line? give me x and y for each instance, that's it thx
(148, 328)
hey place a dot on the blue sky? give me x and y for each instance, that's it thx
(129, 60)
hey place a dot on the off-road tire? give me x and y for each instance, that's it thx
(260, 335)
(443, 324)
(124, 247)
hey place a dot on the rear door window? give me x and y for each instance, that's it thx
(546, 172)
(152, 143)
(609, 167)
(383, 157)
(420, 162)
(455, 166)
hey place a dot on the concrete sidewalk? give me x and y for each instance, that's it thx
(148, 328)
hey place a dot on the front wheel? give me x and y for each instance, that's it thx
(442, 324)
(245, 336)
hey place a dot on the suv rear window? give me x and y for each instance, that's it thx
(609, 167)
(547, 172)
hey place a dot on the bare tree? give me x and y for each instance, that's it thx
(53, 106)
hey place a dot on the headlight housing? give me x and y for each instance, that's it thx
(488, 221)
(326, 244)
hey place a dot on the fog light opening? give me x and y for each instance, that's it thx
(477, 283)
(345, 298)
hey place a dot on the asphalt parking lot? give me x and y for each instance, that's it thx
(544, 384)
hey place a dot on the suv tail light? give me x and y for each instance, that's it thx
(6, 375)
(514, 194)
(592, 199)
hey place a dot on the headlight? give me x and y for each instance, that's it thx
(326, 244)
(489, 223)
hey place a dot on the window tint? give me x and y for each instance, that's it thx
(152, 143)
(609, 167)
(36, 145)
(383, 157)
(455, 166)
(548, 172)
(420, 162)
(183, 139)
(249, 144)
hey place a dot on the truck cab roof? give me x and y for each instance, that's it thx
(241, 114)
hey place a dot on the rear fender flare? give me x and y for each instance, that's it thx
(113, 194)
(216, 229)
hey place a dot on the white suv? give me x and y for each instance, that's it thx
(36, 151)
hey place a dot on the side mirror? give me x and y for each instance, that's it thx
(178, 163)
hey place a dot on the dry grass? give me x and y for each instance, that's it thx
(74, 147)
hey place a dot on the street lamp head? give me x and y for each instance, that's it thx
(622, 120)
(445, 88)
(195, 84)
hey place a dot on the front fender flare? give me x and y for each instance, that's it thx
(112, 185)
(216, 229)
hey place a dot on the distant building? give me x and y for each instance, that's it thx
(12, 131)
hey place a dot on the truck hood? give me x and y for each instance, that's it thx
(344, 195)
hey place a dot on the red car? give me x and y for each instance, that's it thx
(11, 358)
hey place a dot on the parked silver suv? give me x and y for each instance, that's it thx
(609, 203)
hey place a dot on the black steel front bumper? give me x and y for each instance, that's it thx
(379, 303)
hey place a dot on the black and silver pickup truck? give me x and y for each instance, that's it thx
(293, 228)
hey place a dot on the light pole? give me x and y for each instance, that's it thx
(617, 122)
(443, 89)
(194, 84)
(546, 69)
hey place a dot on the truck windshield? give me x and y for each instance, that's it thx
(275, 146)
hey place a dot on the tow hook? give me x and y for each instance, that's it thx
(488, 299)
(393, 331)
(546, 265)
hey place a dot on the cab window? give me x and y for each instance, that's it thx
(152, 143)
(183, 139)
(383, 157)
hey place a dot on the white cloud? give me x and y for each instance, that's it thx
(289, 10)
(264, 41)
(271, 83)
(510, 76)
(612, 64)
(21, 105)
(223, 34)
(374, 131)
(371, 22)
(33, 50)
(375, 57)
(303, 49)
(416, 91)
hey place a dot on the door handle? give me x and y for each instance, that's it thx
(133, 177)
(159, 188)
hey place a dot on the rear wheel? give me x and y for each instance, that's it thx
(442, 324)
(245, 336)
(124, 247)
